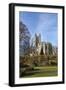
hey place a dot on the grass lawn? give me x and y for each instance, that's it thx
(47, 71)
(44, 71)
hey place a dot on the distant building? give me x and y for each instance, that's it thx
(42, 47)
(39, 46)
(55, 50)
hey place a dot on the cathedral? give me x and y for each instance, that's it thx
(40, 47)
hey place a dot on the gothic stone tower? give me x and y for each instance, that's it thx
(38, 43)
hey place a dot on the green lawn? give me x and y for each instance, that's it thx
(47, 71)
(44, 71)
(47, 68)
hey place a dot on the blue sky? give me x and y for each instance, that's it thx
(44, 23)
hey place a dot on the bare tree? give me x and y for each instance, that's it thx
(24, 38)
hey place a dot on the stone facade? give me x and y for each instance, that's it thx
(42, 47)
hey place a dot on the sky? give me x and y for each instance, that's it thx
(44, 23)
